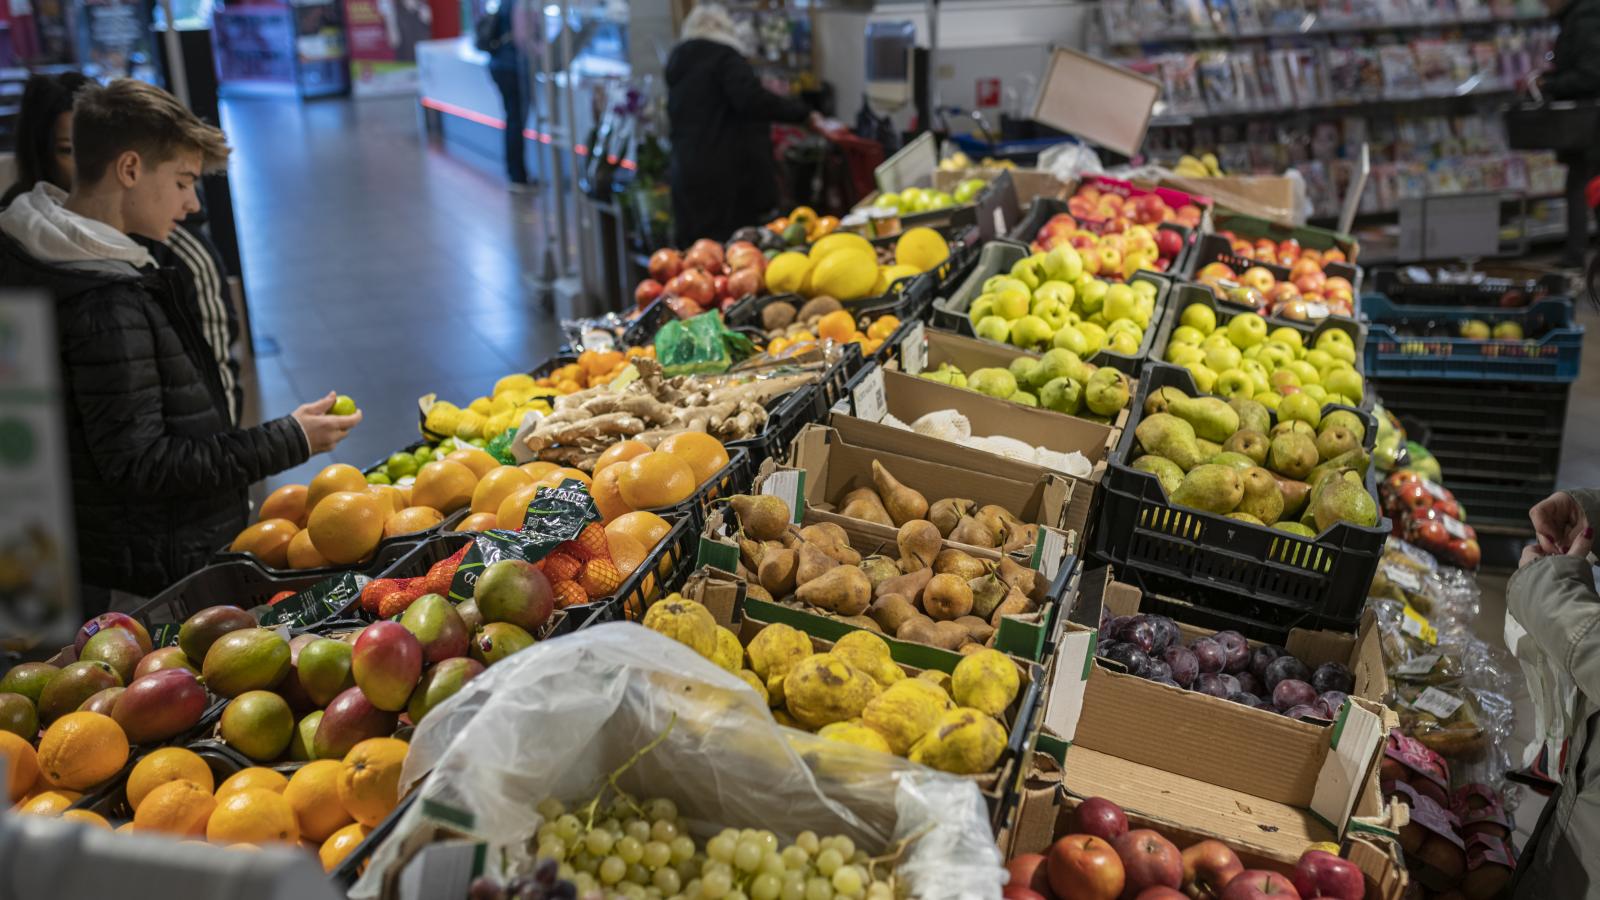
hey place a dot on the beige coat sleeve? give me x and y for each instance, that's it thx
(1554, 598)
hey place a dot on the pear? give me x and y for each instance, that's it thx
(777, 571)
(843, 590)
(1348, 420)
(1294, 495)
(814, 561)
(1106, 392)
(1208, 449)
(1245, 517)
(1161, 398)
(891, 611)
(863, 503)
(1343, 500)
(1292, 454)
(987, 592)
(903, 503)
(947, 597)
(951, 561)
(1166, 435)
(1232, 460)
(1262, 498)
(1213, 419)
(909, 585)
(1015, 603)
(944, 514)
(1251, 443)
(1017, 575)
(1210, 487)
(761, 516)
(1253, 416)
(973, 532)
(1165, 470)
(1332, 441)
(1296, 426)
(879, 569)
(919, 543)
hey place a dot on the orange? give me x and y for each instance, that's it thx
(164, 766)
(607, 496)
(626, 552)
(313, 793)
(514, 508)
(177, 807)
(411, 520)
(882, 327)
(537, 470)
(84, 815)
(836, 326)
(347, 525)
(253, 817)
(303, 554)
(479, 522)
(656, 479)
(554, 477)
(704, 453)
(49, 803)
(331, 480)
(253, 778)
(645, 527)
(22, 762)
(480, 462)
(341, 844)
(124, 828)
(621, 451)
(82, 749)
(444, 484)
(369, 779)
(405, 493)
(287, 502)
(495, 485)
(390, 495)
(268, 540)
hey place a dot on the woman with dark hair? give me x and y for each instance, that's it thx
(44, 133)
(44, 153)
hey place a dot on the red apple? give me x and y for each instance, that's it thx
(1244, 250)
(1101, 818)
(683, 307)
(719, 285)
(1160, 893)
(1017, 892)
(744, 282)
(1149, 860)
(1083, 240)
(1148, 209)
(1321, 874)
(1169, 243)
(1310, 282)
(647, 292)
(1228, 235)
(742, 254)
(1288, 251)
(1266, 249)
(1189, 214)
(1211, 273)
(1294, 309)
(1208, 867)
(1283, 292)
(695, 285)
(1030, 870)
(1312, 254)
(705, 254)
(1259, 884)
(1304, 266)
(1333, 254)
(665, 264)
(1084, 867)
(1258, 278)
(1080, 207)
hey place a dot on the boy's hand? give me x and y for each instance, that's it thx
(324, 432)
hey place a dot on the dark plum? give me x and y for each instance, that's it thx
(1209, 654)
(1115, 625)
(1237, 648)
(1245, 698)
(1301, 712)
(1159, 670)
(1182, 662)
(1293, 692)
(1230, 683)
(1136, 661)
(1262, 656)
(1139, 632)
(1329, 702)
(1167, 633)
(1249, 683)
(1212, 683)
(1168, 682)
(1333, 676)
(1285, 667)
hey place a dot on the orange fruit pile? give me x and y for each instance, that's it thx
(629, 475)
(840, 327)
(594, 367)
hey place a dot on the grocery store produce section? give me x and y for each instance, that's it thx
(1089, 560)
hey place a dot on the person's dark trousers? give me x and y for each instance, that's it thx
(509, 81)
(1581, 166)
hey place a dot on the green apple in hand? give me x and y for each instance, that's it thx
(343, 405)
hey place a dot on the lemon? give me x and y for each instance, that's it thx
(786, 271)
(888, 275)
(517, 381)
(921, 248)
(839, 240)
(845, 274)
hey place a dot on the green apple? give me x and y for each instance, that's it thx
(993, 328)
(1282, 378)
(968, 191)
(1030, 270)
(1200, 317)
(1233, 383)
(1247, 330)
(1315, 390)
(1122, 325)
(1144, 288)
(1345, 352)
(1186, 334)
(1185, 354)
(1092, 297)
(1307, 372)
(1049, 308)
(1063, 263)
(1205, 378)
(1335, 336)
(1274, 355)
(1268, 399)
(1012, 303)
(1320, 358)
(1124, 342)
(1093, 335)
(1223, 357)
(343, 405)
(994, 284)
(1302, 407)
(1283, 334)
(1057, 290)
(1347, 381)
(1031, 333)
(1258, 374)
(1253, 352)
(1068, 337)
(981, 308)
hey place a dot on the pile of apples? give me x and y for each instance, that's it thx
(1118, 235)
(1104, 860)
(1307, 295)
(1113, 213)
(707, 277)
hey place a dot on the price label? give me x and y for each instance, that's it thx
(869, 397)
(999, 222)
(1420, 665)
(1437, 703)
(1418, 626)
(1455, 528)
(914, 349)
(1437, 491)
(787, 485)
(315, 603)
(1317, 310)
(1403, 577)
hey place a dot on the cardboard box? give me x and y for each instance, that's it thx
(1268, 783)
(1275, 197)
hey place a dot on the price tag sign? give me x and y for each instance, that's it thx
(315, 603)
(914, 349)
(1403, 577)
(787, 485)
(1420, 665)
(1437, 703)
(999, 222)
(1455, 528)
(1418, 626)
(869, 396)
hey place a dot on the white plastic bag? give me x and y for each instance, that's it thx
(1069, 160)
(559, 717)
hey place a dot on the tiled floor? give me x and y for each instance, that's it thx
(378, 266)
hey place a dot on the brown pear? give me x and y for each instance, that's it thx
(944, 514)
(919, 544)
(879, 569)
(947, 597)
(826, 534)
(1295, 494)
(973, 533)
(903, 503)
(977, 629)
(843, 590)
(987, 592)
(949, 635)
(1017, 575)
(777, 571)
(996, 511)
(863, 503)
(813, 562)
(750, 553)
(891, 611)
(1015, 604)
(909, 585)
(1018, 536)
(761, 516)
(954, 562)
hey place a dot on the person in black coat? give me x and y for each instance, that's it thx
(159, 472)
(722, 171)
(1574, 74)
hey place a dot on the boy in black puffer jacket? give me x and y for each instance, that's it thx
(159, 474)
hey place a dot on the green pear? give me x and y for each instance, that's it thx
(1251, 443)
(1345, 501)
(1252, 415)
(1210, 487)
(1346, 419)
(1167, 435)
(1262, 498)
(1165, 470)
(1106, 393)
(1062, 395)
(1213, 419)
(1160, 399)
(1292, 454)
(1022, 368)
(1334, 440)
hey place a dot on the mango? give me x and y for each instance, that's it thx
(28, 679)
(386, 662)
(116, 648)
(438, 628)
(202, 629)
(247, 659)
(305, 734)
(103, 702)
(161, 705)
(258, 724)
(349, 719)
(439, 684)
(73, 685)
(164, 658)
(121, 621)
(18, 716)
(498, 640)
(514, 591)
(324, 670)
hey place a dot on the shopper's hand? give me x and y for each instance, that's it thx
(1561, 524)
(1531, 553)
(324, 432)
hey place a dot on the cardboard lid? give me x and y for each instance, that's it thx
(912, 165)
(1094, 100)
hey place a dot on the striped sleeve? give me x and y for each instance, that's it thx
(213, 310)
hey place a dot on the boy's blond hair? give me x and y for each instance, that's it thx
(128, 114)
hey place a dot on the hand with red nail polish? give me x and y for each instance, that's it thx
(1561, 525)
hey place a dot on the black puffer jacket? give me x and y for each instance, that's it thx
(159, 477)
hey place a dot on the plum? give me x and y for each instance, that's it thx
(1209, 654)
(1329, 702)
(1167, 633)
(1211, 683)
(1285, 667)
(1168, 682)
(1237, 648)
(1115, 625)
(1333, 676)
(1301, 712)
(1262, 656)
(1181, 661)
(1139, 632)
(1136, 661)
(1245, 698)
(1159, 670)
(1293, 692)
(1230, 683)
(1249, 683)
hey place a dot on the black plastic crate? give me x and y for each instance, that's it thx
(1209, 607)
(1491, 454)
(641, 332)
(1215, 248)
(1527, 409)
(111, 799)
(1499, 505)
(1553, 355)
(1297, 578)
(1044, 208)
(1502, 287)
(370, 568)
(950, 313)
